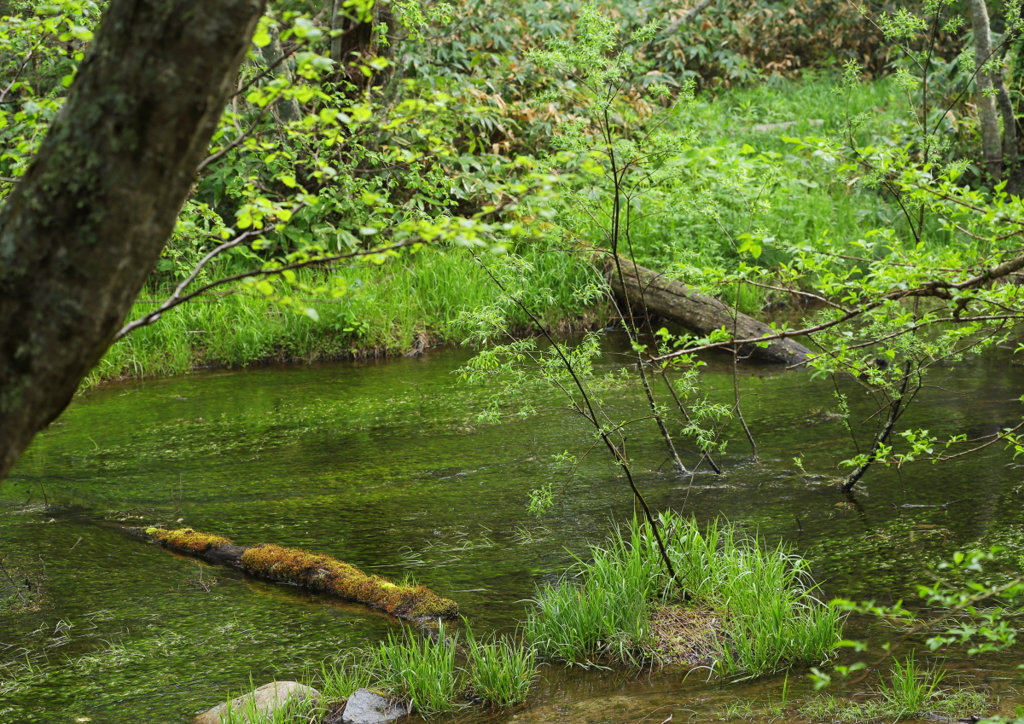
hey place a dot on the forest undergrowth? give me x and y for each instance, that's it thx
(740, 168)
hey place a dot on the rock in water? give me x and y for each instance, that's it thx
(365, 707)
(266, 699)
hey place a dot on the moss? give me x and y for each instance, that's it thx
(186, 540)
(322, 573)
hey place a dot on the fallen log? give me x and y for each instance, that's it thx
(314, 571)
(699, 313)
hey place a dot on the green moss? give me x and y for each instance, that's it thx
(186, 540)
(329, 575)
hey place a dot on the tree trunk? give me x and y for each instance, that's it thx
(702, 314)
(355, 40)
(85, 226)
(988, 117)
(314, 571)
(287, 109)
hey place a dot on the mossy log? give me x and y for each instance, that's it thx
(314, 571)
(676, 302)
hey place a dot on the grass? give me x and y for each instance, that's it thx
(423, 671)
(338, 679)
(910, 690)
(768, 616)
(501, 671)
(599, 610)
(294, 710)
(383, 310)
(910, 693)
(419, 670)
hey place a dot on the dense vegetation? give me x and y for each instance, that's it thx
(391, 176)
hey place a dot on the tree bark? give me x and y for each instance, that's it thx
(85, 226)
(699, 313)
(987, 113)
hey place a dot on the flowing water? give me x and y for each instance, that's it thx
(385, 466)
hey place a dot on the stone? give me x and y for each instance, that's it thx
(366, 707)
(265, 699)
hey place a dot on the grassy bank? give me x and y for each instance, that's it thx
(410, 302)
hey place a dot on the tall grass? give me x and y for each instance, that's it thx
(911, 689)
(420, 670)
(383, 310)
(339, 678)
(770, 617)
(600, 609)
(501, 671)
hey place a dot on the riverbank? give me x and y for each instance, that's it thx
(402, 307)
(689, 229)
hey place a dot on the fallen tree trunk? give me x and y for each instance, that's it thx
(672, 300)
(315, 571)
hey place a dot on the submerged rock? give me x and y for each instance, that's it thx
(263, 700)
(365, 707)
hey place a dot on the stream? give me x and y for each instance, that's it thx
(384, 465)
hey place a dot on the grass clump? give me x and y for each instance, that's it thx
(297, 709)
(420, 670)
(424, 671)
(758, 601)
(910, 689)
(600, 609)
(338, 679)
(500, 670)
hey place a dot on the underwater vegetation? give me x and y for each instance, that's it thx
(315, 571)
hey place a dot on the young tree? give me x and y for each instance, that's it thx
(86, 224)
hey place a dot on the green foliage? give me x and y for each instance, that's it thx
(601, 609)
(501, 671)
(770, 617)
(911, 689)
(420, 670)
(339, 678)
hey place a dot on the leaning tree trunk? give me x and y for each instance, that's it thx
(698, 312)
(85, 226)
(988, 117)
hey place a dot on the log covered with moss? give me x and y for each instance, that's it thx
(315, 571)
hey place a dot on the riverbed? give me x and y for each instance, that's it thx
(385, 465)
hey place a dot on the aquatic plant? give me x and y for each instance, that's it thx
(910, 689)
(501, 671)
(341, 676)
(761, 600)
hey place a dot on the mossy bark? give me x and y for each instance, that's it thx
(314, 571)
(85, 226)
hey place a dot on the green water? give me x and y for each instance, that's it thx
(384, 466)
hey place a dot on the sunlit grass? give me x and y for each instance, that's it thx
(769, 616)
(383, 311)
(420, 670)
(501, 671)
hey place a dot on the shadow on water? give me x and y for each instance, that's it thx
(385, 466)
